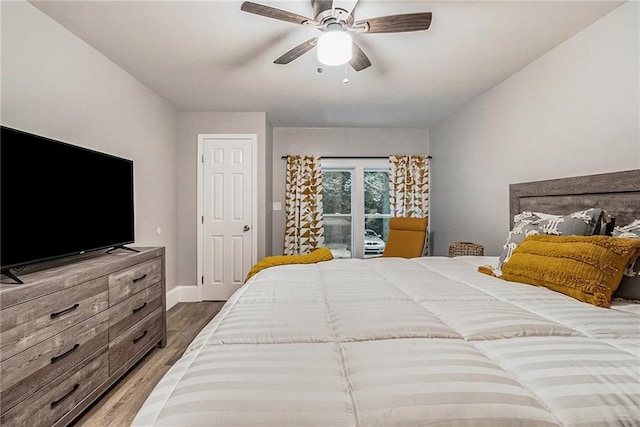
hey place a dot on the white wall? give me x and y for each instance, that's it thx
(574, 111)
(54, 84)
(335, 142)
(268, 196)
(190, 124)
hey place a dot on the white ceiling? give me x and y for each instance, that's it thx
(211, 56)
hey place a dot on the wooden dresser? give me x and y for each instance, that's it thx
(73, 329)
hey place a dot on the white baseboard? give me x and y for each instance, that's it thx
(182, 294)
(190, 294)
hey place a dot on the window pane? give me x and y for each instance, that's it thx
(336, 192)
(376, 192)
(337, 235)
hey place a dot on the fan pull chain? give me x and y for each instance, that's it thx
(346, 79)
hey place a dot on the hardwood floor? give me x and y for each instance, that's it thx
(120, 404)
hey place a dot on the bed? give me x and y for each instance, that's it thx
(423, 341)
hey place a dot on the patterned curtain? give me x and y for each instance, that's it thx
(304, 230)
(409, 186)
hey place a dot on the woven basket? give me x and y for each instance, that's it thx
(465, 248)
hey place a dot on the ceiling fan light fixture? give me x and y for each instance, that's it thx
(335, 47)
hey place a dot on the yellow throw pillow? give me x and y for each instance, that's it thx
(587, 268)
(320, 254)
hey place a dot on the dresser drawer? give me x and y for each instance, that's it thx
(135, 339)
(130, 311)
(26, 372)
(54, 400)
(129, 281)
(27, 324)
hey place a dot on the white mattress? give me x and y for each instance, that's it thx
(396, 342)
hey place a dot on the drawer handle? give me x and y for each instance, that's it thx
(55, 359)
(139, 278)
(135, 310)
(135, 340)
(66, 396)
(65, 311)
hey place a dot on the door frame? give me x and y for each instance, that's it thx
(200, 195)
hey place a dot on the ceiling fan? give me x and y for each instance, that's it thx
(338, 23)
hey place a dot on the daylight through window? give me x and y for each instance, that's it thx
(356, 206)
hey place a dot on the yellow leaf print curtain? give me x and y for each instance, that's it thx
(409, 186)
(304, 230)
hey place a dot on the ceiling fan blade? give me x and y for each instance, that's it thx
(297, 51)
(272, 12)
(396, 23)
(359, 61)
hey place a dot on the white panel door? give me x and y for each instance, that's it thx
(227, 215)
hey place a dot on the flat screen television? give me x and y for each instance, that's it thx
(58, 200)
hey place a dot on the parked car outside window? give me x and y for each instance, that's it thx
(373, 243)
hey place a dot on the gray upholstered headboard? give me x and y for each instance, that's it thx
(618, 193)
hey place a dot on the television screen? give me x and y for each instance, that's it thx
(58, 199)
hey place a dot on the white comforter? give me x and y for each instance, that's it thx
(397, 342)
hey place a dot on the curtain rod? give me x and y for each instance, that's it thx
(353, 157)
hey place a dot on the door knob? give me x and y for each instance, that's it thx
(246, 228)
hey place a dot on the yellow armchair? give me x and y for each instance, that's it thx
(407, 237)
